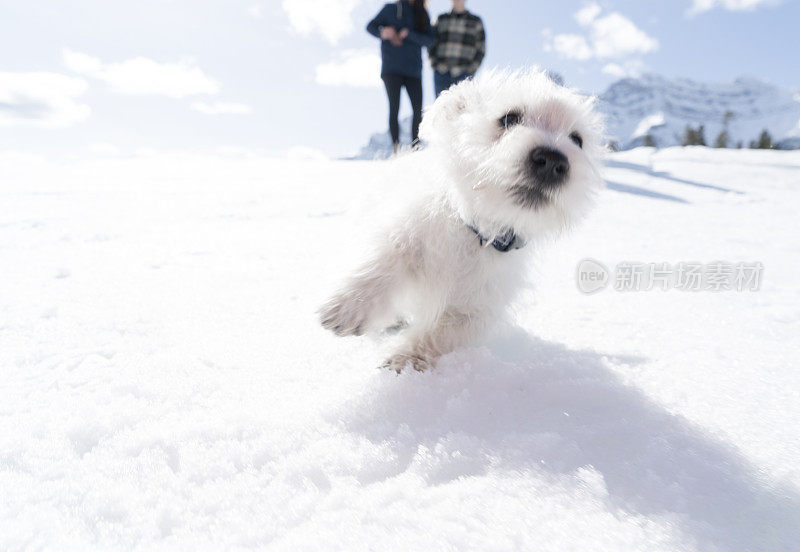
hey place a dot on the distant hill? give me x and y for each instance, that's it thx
(379, 145)
(660, 108)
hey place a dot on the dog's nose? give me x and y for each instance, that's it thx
(549, 166)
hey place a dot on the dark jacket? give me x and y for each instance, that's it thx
(403, 60)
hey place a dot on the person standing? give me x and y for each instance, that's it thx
(404, 27)
(459, 48)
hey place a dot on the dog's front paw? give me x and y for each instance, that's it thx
(400, 361)
(343, 316)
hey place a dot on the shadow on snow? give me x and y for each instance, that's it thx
(530, 405)
(666, 176)
(636, 190)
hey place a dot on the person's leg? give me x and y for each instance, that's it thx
(441, 82)
(414, 89)
(393, 84)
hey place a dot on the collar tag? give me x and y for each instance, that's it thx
(504, 243)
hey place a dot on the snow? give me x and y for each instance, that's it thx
(644, 126)
(167, 386)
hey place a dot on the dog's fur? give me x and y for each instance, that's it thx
(431, 266)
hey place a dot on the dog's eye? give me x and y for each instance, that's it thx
(575, 137)
(511, 119)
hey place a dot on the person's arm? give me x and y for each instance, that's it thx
(480, 46)
(423, 39)
(374, 26)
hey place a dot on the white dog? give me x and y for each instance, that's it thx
(512, 158)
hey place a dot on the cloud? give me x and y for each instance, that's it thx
(222, 108)
(615, 70)
(587, 14)
(45, 100)
(83, 64)
(629, 68)
(607, 37)
(332, 19)
(615, 36)
(699, 6)
(571, 46)
(360, 68)
(141, 76)
(255, 12)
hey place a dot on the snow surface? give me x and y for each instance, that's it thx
(166, 385)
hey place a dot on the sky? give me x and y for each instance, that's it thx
(301, 77)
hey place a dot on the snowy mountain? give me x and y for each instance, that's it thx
(380, 143)
(661, 108)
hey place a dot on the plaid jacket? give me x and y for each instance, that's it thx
(460, 44)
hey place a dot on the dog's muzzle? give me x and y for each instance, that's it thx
(547, 169)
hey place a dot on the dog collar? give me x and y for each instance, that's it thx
(505, 242)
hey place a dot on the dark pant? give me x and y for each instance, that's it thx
(443, 81)
(413, 86)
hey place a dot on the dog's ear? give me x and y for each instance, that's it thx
(448, 107)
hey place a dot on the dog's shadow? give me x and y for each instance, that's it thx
(533, 406)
